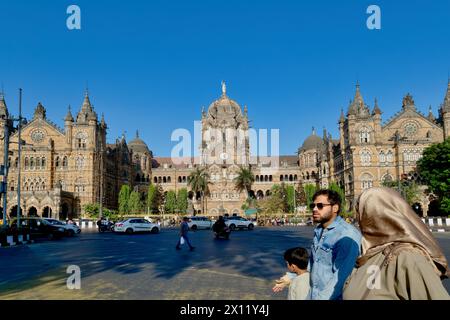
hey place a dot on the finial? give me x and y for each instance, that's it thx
(137, 134)
(224, 88)
(313, 131)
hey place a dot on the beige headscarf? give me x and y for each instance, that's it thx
(386, 219)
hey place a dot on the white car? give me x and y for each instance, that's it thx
(133, 225)
(196, 223)
(70, 229)
(236, 222)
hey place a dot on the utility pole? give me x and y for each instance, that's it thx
(5, 169)
(100, 210)
(19, 160)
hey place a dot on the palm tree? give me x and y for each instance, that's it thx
(198, 180)
(244, 180)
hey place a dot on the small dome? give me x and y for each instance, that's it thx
(138, 145)
(312, 142)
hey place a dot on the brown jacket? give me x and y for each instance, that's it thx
(407, 275)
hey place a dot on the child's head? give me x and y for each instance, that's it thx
(296, 257)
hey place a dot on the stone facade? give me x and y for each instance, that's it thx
(61, 170)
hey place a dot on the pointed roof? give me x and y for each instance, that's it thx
(342, 117)
(446, 104)
(430, 115)
(358, 102)
(39, 112)
(69, 116)
(87, 112)
(408, 102)
(376, 108)
(3, 108)
(102, 122)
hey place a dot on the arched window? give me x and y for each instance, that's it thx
(364, 135)
(382, 157)
(365, 157)
(179, 179)
(81, 140)
(281, 178)
(389, 156)
(270, 178)
(32, 163)
(38, 163)
(257, 178)
(155, 179)
(366, 181)
(43, 163)
(65, 162)
(16, 162)
(57, 163)
(79, 163)
(169, 180)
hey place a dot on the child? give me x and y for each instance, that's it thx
(297, 263)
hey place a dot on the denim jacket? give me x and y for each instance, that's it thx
(333, 255)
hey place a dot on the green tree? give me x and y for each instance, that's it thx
(277, 201)
(408, 189)
(300, 195)
(182, 201)
(170, 204)
(124, 197)
(290, 197)
(310, 189)
(244, 180)
(134, 203)
(434, 170)
(199, 181)
(92, 210)
(335, 187)
(151, 199)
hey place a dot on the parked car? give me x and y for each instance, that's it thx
(71, 229)
(39, 228)
(197, 223)
(133, 225)
(236, 222)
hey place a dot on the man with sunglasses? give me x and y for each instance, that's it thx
(335, 248)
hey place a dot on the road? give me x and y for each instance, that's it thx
(147, 266)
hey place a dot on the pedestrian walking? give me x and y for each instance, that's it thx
(400, 258)
(184, 229)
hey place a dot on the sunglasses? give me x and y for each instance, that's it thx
(319, 205)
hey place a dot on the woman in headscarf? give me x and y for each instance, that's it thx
(400, 259)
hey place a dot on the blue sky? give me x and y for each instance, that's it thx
(152, 65)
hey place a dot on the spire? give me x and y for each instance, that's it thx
(358, 102)
(102, 122)
(430, 114)
(324, 133)
(313, 131)
(137, 134)
(376, 108)
(87, 112)
(446, 104)
(3, 108)
(69, 116)
(342, 117)
(87, 102)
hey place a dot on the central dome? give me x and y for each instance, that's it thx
(224, 108)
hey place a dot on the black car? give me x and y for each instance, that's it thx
(39, 228)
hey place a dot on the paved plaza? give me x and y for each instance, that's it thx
(147, 266)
